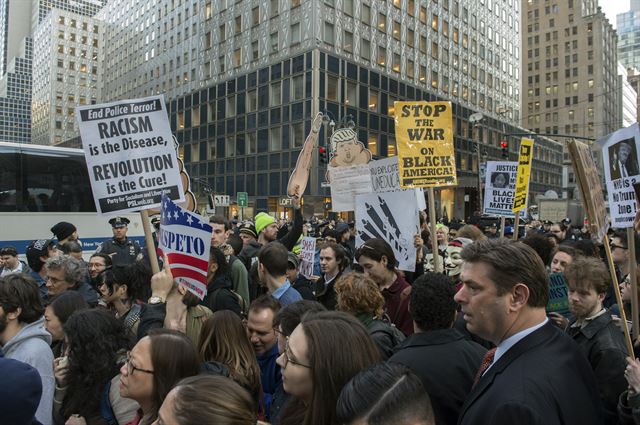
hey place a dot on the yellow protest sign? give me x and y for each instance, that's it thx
(525, 157)
(424, 135)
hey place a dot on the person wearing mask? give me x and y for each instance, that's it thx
(378, 261)
(23, 337)
(595, 332)
(316, 366)
(56, 315)
(360, 296)
(284, 323)
(153, 367)
(208, 399)
(120, 248)
(503, 298)
(453, 359)
(333, 262)
(89, 371)
(298, 281)
(120, 292)
(272, 271)
(262, 335)
(38, 252)
(66, 273)
(224, 346)
(385, 393)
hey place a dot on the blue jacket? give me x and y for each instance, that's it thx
(269, 376)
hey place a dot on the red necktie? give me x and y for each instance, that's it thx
(486, 362)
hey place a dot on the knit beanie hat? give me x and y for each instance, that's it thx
(263, 220)
(248, 228)
(63, 230)
(19, 403)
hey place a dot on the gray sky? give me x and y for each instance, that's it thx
(612, 7)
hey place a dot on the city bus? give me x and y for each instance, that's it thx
(43, 185)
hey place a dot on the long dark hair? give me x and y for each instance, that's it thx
(122, 275)
(173, 357)
(67, 303)
(217, 256)
(328, 333)
(96, 339)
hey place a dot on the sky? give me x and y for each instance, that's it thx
(612, 7)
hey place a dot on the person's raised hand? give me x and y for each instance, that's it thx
(162, 282)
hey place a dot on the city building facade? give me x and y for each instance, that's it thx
(66, 71)
(243, 78)
(628, 99)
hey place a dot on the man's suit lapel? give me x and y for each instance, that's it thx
(524, 345)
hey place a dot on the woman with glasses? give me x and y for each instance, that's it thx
(157, 363)
(322, 354)
(87, 375)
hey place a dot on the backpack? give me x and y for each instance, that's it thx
(244, 308)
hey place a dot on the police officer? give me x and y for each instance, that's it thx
(123, 251)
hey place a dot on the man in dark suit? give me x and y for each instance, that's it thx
(537, 374)
(440, 355)
(623, 164)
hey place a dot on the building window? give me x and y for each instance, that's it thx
(372, 143)
(255, 16)
(207, 40)
(238, 24)
(373, 100)
(275, 139)
(297, 135)
(237, 58)
(382, 56)
(365, 49)
(298, 87)
(332, 88)
(295, 33)
(347, 7)
(396, 62)
(348, 42)
(222, 30)
(255, 52)
(366, 14)
(382, 22)
(230, 146)
(328, 33)
(434, 50)
(396, 30)
(274, 42)
(434, 22)
(410, 37)
(252, 101)
(276, 94)
(352, 93)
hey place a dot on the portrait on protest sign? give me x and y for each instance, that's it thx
(620, 156)
(347, 150)
(392, 216)
(130, 154)
(424, 136)
(499, 188)
(185, 238)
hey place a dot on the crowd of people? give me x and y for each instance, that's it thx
(485, 331)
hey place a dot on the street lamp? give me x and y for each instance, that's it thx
(475, 120)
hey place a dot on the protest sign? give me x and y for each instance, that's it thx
(386, 178)
(558, 295)
(346, 183)
(130, 154)
(588, 181)
(525, 157)
(424, 135)
(620, 157)
(308, 254)
(499, 188)
(393, 217)
(185, 239)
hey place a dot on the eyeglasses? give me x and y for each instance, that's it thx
(131, 368)
(288, 359)
(54, 280)
(614, 246)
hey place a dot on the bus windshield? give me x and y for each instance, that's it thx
(43, 179)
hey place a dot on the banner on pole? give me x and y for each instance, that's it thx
(393, 217)
(620, 157)
(346, 183)
(525, 157)
(130, 154)
(588, 180)
(500, 187)
(185, 238)
(424, 135)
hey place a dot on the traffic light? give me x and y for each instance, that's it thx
(505, 149)
(323, 155)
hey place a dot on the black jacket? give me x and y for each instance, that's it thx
(305, 287)
(603, 344)
(386, 336)
(543, 379)
(325, 293)
(219, 295)
(446, 363)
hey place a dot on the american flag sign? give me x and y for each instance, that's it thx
(185, 238)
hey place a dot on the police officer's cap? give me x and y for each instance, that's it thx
(117, 222)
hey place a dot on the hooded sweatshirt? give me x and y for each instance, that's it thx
(31, 345)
